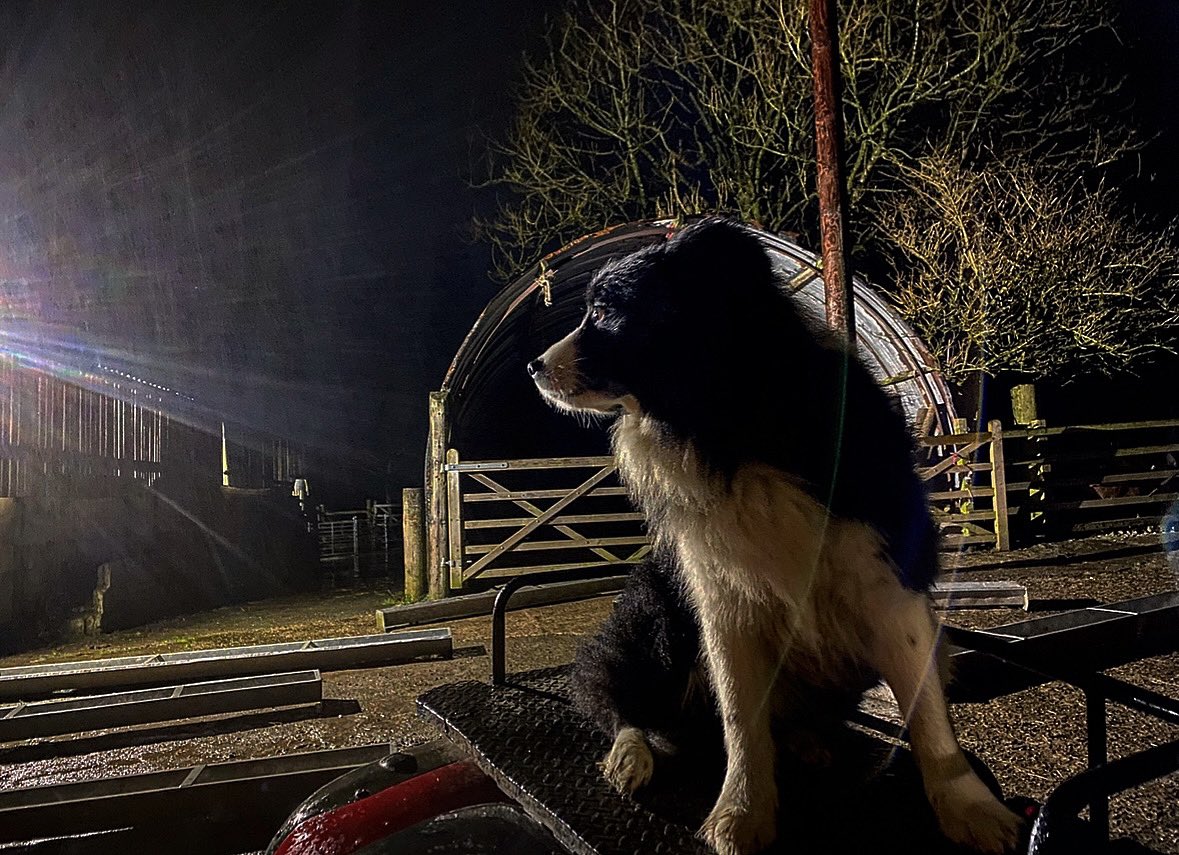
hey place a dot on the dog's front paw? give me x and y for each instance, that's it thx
(971, 816)
(629, 765)
(737, 830)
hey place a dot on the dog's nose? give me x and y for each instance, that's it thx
(536, 366)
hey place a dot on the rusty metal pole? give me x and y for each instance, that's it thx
(837, 277)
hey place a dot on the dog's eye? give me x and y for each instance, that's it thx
(597, 314)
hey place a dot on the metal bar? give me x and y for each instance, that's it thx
(329, 654)
(1067, 799)
(832, 192)
(473, 605)
(52, 718)
(499, 611)
(245, 799)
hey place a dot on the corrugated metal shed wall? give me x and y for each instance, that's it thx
(494, 410)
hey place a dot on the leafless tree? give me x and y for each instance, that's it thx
(1017, 267)
(640, 108)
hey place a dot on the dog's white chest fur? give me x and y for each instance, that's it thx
(756, 551)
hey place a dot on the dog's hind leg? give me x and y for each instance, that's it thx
(744, 819)
(630, 763)
(902, 647)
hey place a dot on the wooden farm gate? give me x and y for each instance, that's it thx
(966, 476)
(575, 514)
(1079, 479)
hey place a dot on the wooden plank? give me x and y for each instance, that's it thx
(533, 463)
(454, 521)
(952, 439)
(954, 460)
(539, 494)
(413, 538)
(999, 483)
(511, 572)
(535, 511)
(552, 511)
(252, 796)
(1115, 502)
(1109, 454)
(1112, 426)
(970, 528)
(972, 493)
(435, 497)
(475, 605)
(962, 466)
(951, 518)
(978, 595)
(542, 545)
(571, 519)
(965, 540)
(1127, 523)
(328, 654)
(55, 717)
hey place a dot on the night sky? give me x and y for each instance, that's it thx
(264, 204)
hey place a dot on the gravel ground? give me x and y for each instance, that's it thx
(1031, 740)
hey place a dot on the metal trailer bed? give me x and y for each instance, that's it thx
(523, 733)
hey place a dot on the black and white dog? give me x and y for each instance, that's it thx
(779, 477)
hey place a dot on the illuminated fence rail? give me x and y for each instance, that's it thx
(565, 512)
(1079, 479)
(990, 488)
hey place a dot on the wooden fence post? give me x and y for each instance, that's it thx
(413, 536)
(999, 486)
(454, 520)
(435, 486)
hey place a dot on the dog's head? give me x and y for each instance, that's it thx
(668, 327)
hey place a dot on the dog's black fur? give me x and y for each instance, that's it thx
(641, 667)
(734, 368)
(779, 478)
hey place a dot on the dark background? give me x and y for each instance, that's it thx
(266, 205)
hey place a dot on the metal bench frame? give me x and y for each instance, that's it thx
(1091, 788)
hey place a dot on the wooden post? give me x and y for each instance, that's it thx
(454, 521)
(837, 277)
(435, 499)
(413, 536)
(1023, 403)
(999, 485)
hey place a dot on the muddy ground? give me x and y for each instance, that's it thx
(1031, 740)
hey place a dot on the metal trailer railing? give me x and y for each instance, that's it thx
(1055, 829)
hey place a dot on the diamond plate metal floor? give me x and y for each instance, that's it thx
(544, 755)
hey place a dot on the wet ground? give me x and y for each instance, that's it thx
(1031, 740)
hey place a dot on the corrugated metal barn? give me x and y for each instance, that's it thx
(488, 414)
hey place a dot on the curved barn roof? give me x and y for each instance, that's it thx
(493, 409)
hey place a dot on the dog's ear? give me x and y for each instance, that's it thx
(719, 255)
